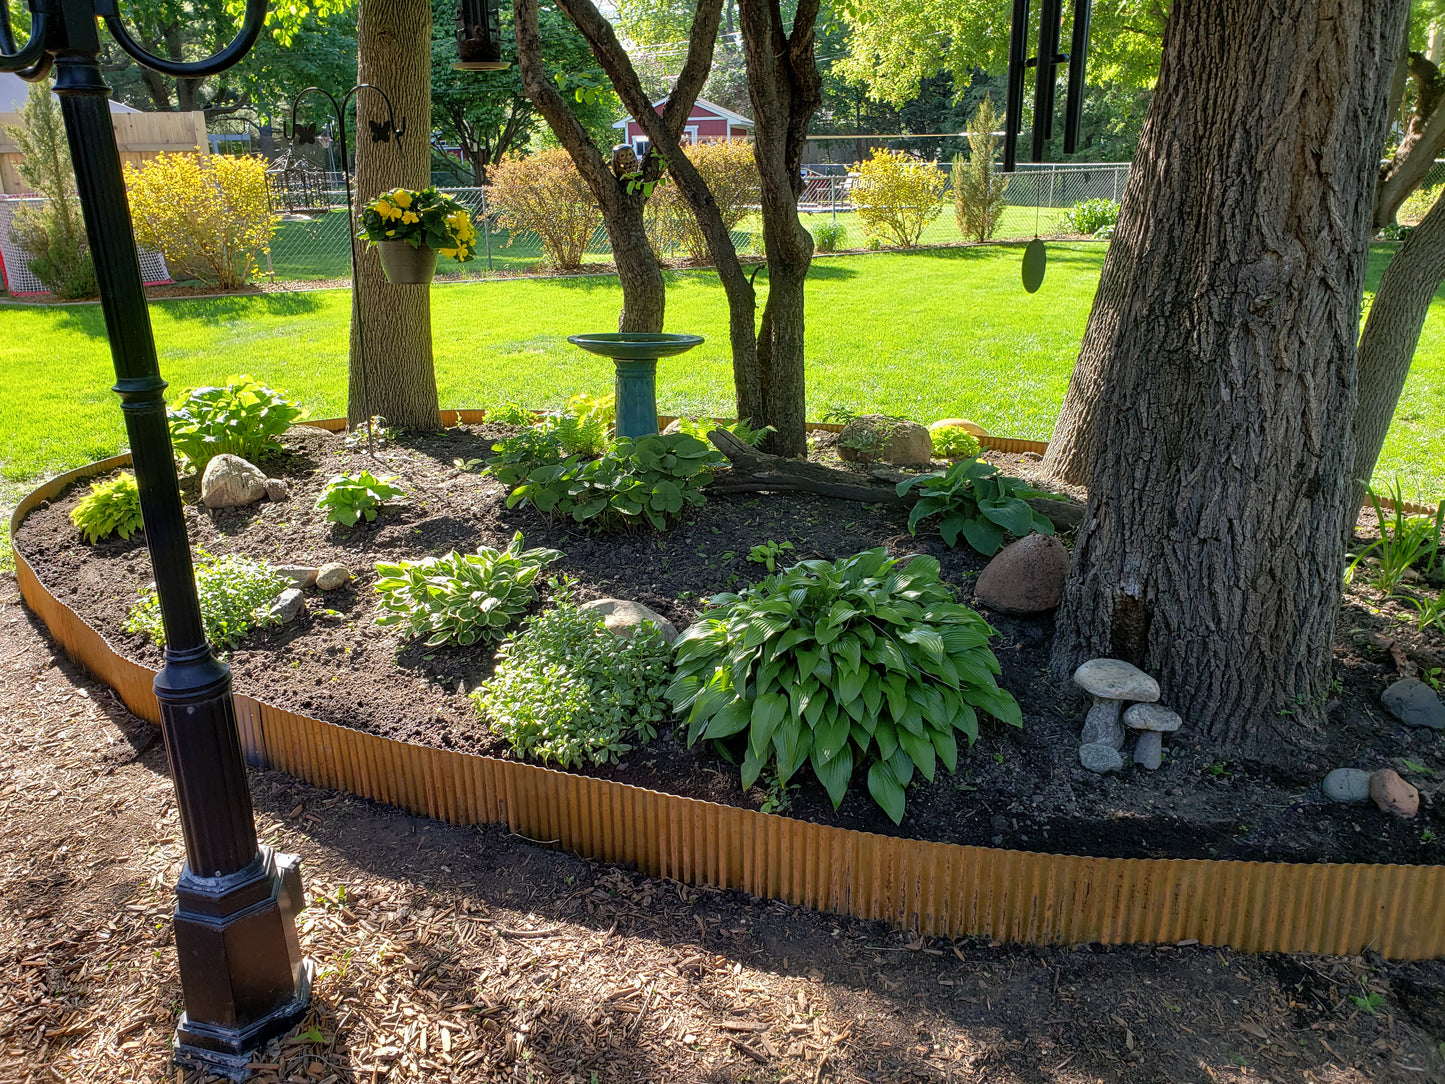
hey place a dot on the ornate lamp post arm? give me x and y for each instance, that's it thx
(242, 973)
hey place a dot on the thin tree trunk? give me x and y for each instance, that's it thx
(785, 91)
(1424, 140)
(1224, 334)
(1387, 345)
(393, 53)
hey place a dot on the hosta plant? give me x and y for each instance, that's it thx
(349, 497)
(460, 598)
(866, 663)
(568, 691)
(235, 592)
(954, 442)
(242, 418)
(976, 502)
(113, 508)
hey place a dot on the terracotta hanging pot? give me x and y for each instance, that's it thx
(405, 265)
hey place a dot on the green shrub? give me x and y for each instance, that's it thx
(828, 236)
(866, 661)
(348, 497)
(568, 691)
(954, 442)
(701, 427)
(730, 172)
(460, 598)
(975, 501)
(651, 478)
(235, 593)
(897, 195)
(544, 194)
(242, 418)
(113, 507)
(1395, 232)
(1089, 217)
(978, 191)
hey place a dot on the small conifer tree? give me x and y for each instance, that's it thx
(978, 192)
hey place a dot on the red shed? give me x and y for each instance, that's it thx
(708, 121)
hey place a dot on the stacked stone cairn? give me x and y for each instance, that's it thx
(1114, 683)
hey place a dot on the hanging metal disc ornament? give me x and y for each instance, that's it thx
(1036, 260)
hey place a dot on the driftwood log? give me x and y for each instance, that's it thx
(758, 472)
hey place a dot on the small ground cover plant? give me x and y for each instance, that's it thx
(242, 417)
(566, 690)
(975, 502)
(865, 661)
(235, 593)
(954, 442)
(769, 553)
(1404, 541)
(350, 497)
(112, 508)
(460, 598)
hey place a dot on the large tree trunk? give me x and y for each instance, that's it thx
(785, 91)
(393, 40)
(1224, 335)
(1387, 345)
(644, 296)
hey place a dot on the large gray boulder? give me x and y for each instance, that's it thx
(1414, 703)
(870, 438)
(232, 482)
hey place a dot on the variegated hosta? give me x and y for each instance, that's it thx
(837, 665)
(460, 598)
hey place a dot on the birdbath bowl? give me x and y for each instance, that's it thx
(635, 354)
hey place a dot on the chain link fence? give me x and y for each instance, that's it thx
(314, 246)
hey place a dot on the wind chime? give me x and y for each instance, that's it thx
(1045, 63)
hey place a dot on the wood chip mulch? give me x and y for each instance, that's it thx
(466, 954)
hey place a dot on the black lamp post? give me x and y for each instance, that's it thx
(478, 37)
(242, 974)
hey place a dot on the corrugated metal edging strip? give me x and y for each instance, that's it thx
(934, 888)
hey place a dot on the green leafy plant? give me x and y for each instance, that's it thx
(768, 553)
(585, 426)
(976, 502)
(1429, 609)
(829, 236)
(1089, 216)
(376, 432)
(895, 195)
(1395, 232)
(244, 417)
(1369, 1001)
(701, 427)
(566, 690)
(837, 665)
(349, 497)
(509, 414)
(112, 507)
(424, 219)
(1404, 539)
(954, 442)
(651, 479)
(517, 456)
(460, 598)
(235, 592)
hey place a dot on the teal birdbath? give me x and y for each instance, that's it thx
(635, 354)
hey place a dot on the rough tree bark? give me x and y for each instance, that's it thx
(785, 90)
(1224, 336)
(394, 53)
(662, 130)
(1387, 345)
(644, 297)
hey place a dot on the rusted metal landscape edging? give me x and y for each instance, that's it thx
(939, 889)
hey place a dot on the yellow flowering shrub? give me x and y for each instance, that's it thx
(731, 174)
(896, 195)
(209, 215)
(544, 194)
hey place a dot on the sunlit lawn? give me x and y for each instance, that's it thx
(931, 334)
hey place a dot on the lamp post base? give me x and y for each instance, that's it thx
(242, 972)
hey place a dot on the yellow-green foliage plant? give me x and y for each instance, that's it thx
(731, 173)
(112, 508)
(978, 191)
(897, 195)
(207, 214)
(544, 194)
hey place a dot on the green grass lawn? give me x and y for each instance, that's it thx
(929, 334)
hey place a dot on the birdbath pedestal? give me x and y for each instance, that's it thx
(635, 354)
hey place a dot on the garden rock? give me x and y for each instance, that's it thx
(1348, 785)
(1414, 703)
(276, 489)
(301, 575)
(1149, 750)
(1101, 725)
(332, 575)
(973, 429)
(871, 437)
(1114, 679)
(674, 426)
(1026, 577)
(1152, 721)
(231, 482)
(289, 605)
(1393, 795)
(1100, 758)
(622, 616)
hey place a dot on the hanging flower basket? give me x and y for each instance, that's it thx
(413, 229)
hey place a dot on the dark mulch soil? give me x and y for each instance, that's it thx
(1020, 789)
